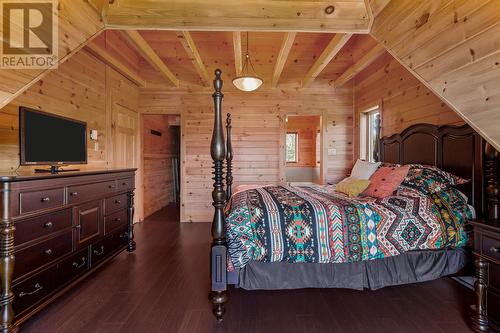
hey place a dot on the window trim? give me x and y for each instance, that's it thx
(364, 125)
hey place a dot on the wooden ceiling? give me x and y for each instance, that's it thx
(170, 59)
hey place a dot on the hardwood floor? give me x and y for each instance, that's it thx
(163, 287)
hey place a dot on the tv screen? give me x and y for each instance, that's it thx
(50, 139)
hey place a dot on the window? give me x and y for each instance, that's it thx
(292, 140)
(369, 135)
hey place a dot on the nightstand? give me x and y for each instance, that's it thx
(487, 286)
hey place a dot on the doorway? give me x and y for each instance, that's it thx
(161, 165)
(303, 150)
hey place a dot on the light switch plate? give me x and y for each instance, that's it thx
(332, 151)
(93, 135)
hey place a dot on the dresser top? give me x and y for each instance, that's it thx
(30, 175)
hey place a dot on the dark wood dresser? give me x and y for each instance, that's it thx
(487, 286)
(57, 229)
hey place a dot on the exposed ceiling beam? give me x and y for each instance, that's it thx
(331, 50)
(243, 15)
(378, 5)
(286, 46)
(359, 65)
(111, 60)
(190, 47)
(150, 55)
(237, 52)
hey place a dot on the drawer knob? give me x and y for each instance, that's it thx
(111, 186)
(46, 199)
(78, 226)
(101, 252)
(77, 265)
(37, 286)
(48, 252)
(118, 202)
(124, 235)
(495, 249)
(73, 194)
(118, 219)
(48, 225)
(124, 184)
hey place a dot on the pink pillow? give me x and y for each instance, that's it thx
(386, 180)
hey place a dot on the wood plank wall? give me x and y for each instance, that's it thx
(405, 101)
(75, 90)
(158, 152)
(258, 135)
(83, 88)
(453, 47)
(307, 128)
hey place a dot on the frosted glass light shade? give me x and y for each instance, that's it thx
(247, 83)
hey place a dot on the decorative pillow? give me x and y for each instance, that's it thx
(386, 180)
(351, 186)
(363, 169)
(429, 179)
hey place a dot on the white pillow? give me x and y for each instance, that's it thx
(363, 169)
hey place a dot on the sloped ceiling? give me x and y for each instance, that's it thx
(79, 22)
(453, 47)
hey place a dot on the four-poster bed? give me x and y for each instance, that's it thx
(455, 149)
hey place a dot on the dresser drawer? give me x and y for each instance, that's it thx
(494, 277)
(490, 247)
(73, 266)
(108, 246)
(493, 305)
(35, 200)
(125, 184)
(115, 203)
(44, 225)
(87, 192)
(42, 253)
(114, 221)
(29, 293)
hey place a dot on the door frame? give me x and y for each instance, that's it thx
(181, 155)
(323, 166)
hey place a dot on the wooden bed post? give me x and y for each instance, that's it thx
(229, 159)
(218, 263)
(492, 164)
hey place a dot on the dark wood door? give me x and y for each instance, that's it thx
(89, 222)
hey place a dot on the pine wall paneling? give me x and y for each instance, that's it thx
(258, 135)
(86, 89)
(158, 153)
(307, 127)
(404, 100)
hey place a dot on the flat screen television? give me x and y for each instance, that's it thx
(47, 139)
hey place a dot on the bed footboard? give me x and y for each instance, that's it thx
(218, 261)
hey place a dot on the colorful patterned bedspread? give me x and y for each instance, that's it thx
(318, 225)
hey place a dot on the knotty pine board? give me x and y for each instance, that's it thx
(404, 100)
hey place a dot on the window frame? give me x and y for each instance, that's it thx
(366, 148)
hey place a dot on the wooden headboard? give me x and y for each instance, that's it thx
(456, 149)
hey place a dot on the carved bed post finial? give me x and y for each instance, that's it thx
(219, 295)
(492, 159)
(229, 158)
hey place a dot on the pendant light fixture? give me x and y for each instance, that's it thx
(247, 81)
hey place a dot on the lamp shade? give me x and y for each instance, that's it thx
(247, 83)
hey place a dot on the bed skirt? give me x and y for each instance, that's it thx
(410, 267)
